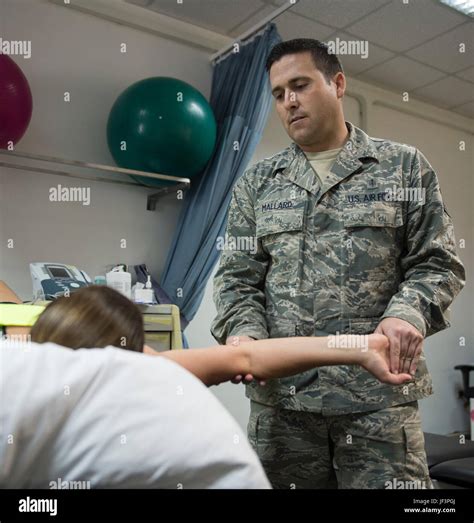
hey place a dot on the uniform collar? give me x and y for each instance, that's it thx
(358, 149)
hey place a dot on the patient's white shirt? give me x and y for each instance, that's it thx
(116, 419)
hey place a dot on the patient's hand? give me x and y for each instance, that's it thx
(148, 350)
(377, 361)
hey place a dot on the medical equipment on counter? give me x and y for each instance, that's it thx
(144, 295)
(52, 280)
(120, 280)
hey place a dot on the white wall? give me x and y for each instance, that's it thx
(80, 53)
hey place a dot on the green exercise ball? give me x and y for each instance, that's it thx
(161, 125)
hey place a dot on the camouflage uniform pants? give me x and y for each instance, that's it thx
(378, 449)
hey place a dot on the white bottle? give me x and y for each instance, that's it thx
(150, 293)
(120, 280)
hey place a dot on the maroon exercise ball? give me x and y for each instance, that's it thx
(16, 103)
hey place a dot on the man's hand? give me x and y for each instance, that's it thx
(406, 343)
(236, 340)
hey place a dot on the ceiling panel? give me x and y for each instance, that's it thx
(466, 110)
(467, 74)
(294, 26)
(141, 3)
(410, 45)
(254, 19)
(401, 73)
(443, 52)
(354, 64)
(400, 26)
(217, 15)
(337, 13)
(447, 92)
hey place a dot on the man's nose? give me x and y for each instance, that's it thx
(291, 99)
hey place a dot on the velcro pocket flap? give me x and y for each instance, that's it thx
(280, 221)
(386, 216)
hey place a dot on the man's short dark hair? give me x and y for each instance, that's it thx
(327, 63)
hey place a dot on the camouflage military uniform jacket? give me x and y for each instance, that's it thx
(337, 258)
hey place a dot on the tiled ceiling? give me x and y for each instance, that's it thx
(413, 45)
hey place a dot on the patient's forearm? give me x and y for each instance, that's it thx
(278, 357)
(271, 358)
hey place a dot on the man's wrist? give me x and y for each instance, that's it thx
(408, 314)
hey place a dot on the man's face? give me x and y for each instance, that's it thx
(307, 105)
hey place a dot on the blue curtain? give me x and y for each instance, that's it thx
(240, 99)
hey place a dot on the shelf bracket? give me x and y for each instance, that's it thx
(177, 182)
(153, 198)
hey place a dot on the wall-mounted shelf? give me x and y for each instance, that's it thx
(112, 171)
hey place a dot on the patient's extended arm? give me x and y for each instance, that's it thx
(280, 357)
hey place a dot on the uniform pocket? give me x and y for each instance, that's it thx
(415, 441)
(373, 238)
(256, 412)
(281, 233)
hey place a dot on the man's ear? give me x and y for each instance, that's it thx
(340, 80)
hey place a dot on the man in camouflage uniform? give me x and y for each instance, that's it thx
(338, 251)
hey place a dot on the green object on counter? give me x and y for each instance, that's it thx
(19, 315)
